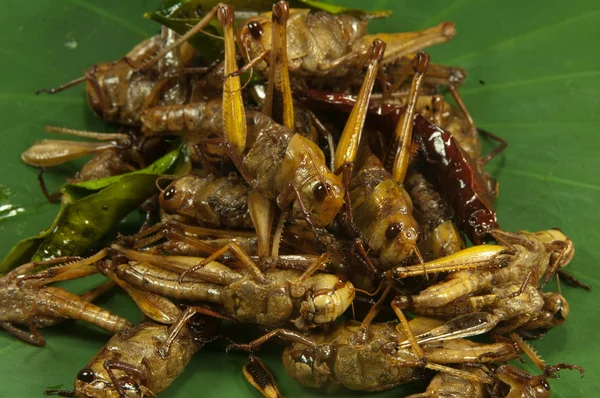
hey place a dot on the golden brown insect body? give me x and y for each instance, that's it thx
(346, 356)
(439, 236)
(510, 294)
(25, 300)
(520, 383)
(144, 360)
(113, 153)
(382, 211)
(445, 385)
(211, 201)
(117, 92)
(287, 167)
(280, 164)
(273, 298)
(509, 382)
(380, 362)
(323, 44)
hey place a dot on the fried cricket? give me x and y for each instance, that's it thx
(26, 300)
(145, 359)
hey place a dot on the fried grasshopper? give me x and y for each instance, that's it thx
(26, 300)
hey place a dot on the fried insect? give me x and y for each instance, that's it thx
(282, 166)
(516, 383)
(440, 237)
(382, 211)
(461, 180)
(319, 44)
(115, 153)
(276, 163)
(446, 385)
(343, 357)
(118, 93)
(343, 256)
(377, 205)
(273, 298)
(396, 71)
(520, 384)
(26, 300)
(332, 45)
(458, 121)
(209, 201)
(508, 380)
(145, 359)
(506, 298)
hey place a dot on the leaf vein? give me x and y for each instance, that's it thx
(551, 179)
(534, 32)
(443, 13)
(526, 82)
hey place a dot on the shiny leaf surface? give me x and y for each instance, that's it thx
(90, 210)
(533, 79)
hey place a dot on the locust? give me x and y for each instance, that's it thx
(26, 300)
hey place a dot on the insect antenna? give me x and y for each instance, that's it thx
(160, 179)
(61, 88)
(421, 261)
(371, 294)
(245, 84)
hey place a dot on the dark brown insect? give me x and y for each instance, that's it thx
(118, 93)
(26, 300)
(210, 201)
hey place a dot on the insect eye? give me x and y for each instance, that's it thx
(545, 384)
(559, 313)
(86, 375)
(255, 29)
(392, 231)
(170, 193)
(320, 191)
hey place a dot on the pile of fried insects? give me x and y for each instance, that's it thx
(314, 168)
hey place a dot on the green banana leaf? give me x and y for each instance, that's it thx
(533, 79)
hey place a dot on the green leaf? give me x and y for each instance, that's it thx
(160, 166)
(93, 209)
(8, 209)
(337, 9)
(538, 60)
